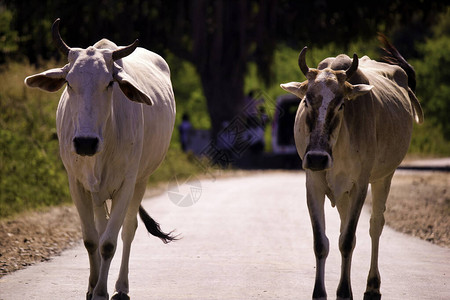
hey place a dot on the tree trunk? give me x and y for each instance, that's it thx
(224, 91)
(220, 50)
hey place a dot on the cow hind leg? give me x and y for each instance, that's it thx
(108, 240)
(120, 296)
(128, 232)
(380, 191)
(130, 225)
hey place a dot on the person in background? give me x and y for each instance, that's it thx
(184, 129)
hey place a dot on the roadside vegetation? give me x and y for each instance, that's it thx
(32, 175)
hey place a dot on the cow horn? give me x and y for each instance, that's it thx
(302, 61)
(125, 51)
(57, 38)
(350, 71)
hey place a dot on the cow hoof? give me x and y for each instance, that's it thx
(372, 296)
(91, 297)
(120, 296)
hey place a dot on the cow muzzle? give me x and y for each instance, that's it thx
(86, 145)
(317, 161)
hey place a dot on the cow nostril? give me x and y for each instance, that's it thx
(85, 145)
(317, 161)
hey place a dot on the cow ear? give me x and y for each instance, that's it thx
(130, 88)
(297, 88)
(50, 81)
(354, 91)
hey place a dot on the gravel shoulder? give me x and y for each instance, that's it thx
(418, 204)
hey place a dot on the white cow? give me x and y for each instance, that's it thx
(114, 122)
(353, 127)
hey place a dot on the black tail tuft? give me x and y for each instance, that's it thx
(153, 227)
(393, 57)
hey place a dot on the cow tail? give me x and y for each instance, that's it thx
(393, 57)
(418, 112)
(153, 227)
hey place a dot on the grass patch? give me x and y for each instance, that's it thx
(31, 173)
(428, 141)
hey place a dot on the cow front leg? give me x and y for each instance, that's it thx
(83, 202)
(315, 201)
(108, 240)
(380, 191)
(349, 208)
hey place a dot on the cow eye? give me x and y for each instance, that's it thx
(342, 106)
(68, 85)
(111, 83)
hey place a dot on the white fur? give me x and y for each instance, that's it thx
(134, 139)
(327, 97)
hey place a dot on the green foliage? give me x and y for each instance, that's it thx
(31, 174)
(30, 177)
(428, 140)
(188, 92)
(285, 69)
(285, 65)
(433, 76)
(8, 36)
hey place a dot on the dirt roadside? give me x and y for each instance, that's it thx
(418, 204)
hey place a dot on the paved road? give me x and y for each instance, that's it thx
(246, 238)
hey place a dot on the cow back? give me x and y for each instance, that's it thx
(152, 74)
